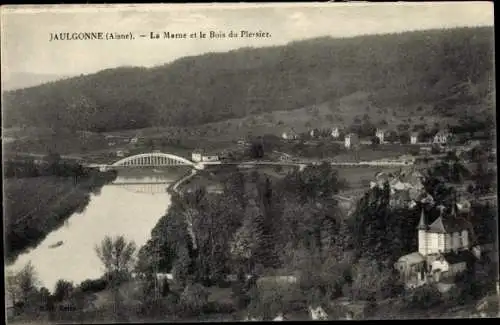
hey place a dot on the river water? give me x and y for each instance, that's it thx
(130, 206)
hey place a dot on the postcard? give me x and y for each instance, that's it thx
(249, 162)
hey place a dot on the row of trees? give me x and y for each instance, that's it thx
(51, 165)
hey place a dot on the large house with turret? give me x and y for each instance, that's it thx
(444, 249)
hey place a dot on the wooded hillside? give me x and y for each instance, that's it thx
(449, 71)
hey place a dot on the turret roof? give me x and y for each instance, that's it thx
(422, 225)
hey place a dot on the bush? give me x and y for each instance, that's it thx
(424, 297)
(194, 299)
(93, 285)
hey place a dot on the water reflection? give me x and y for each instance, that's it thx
(131, 206)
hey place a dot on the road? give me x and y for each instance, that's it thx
(41, 156)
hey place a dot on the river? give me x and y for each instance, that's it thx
(130, 206)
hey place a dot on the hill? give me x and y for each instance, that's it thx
(24, 80)
(435, 73)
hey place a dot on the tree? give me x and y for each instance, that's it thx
(404, 138)
(194, 298)
(117, 256)
(424, 297)
(12, 286)
(27, 281)
(63, 290)
(375, 141)
(257, 149)
(23, 287)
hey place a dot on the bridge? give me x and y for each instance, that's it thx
(154, 159)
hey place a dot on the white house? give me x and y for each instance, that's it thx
(335, 132)
(443, 250)
(208, 158)
(380, 133)
(134, 140)
(120, 153)
(351, 140)
(318, 313)
(414, 138)
(445, 234)
(291, 135)
(442, 137)
(196, 156)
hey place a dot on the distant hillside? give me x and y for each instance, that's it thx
(24, 80)
(437, 72)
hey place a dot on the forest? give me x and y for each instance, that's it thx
(450, 71)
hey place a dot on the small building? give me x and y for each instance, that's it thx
(120, 153)
(351, 140)
(380, 134)
(134, 140)
(442, 137)
(414, 138)
(290, 135)
(335, 133)
(285, 157)
(209, 158)
(449, 264)
(197, 155)
(313, 133)
(317, 313)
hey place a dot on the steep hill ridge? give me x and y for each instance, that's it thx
(448, 71)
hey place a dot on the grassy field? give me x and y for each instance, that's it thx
(327, 114)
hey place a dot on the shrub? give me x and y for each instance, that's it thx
(424, 297)
(194, 298)
(93, 285)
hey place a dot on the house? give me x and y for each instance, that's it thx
(443, 250)
(380, 134)
(208, 158)
(197, 155)
(351, 140)
(290, 135)
(414, 138)
(120, 153)
(317, 313)
(313, 133)
(335, 133)
(285, 157)
(134, 140)
(442, 137)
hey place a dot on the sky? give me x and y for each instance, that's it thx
(26, 30)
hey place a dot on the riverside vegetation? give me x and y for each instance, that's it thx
(40, 197)
(220, 248)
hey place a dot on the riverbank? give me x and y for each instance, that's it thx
(36, 206)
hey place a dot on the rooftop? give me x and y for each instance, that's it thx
(443, 222)
(448, 224)
(458, 257)
(412, 258)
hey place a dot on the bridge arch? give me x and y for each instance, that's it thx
(155, 159)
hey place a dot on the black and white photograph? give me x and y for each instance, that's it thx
(249, 162)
